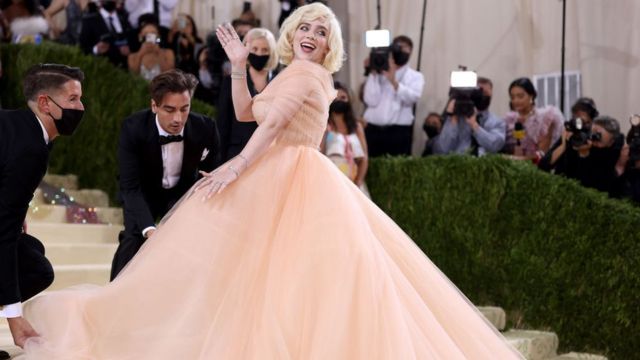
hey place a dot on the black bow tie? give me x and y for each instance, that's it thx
(164, 140)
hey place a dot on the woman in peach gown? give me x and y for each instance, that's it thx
(275, 255)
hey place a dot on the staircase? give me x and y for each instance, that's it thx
(82, 253)
(79, 253)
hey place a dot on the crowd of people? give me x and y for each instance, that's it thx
(142, 37)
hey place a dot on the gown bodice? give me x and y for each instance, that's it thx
(302, 93)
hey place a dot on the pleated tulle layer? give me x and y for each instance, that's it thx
(290, 262)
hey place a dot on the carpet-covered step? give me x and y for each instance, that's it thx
(6, 340)
(58, 214)
(78, 254)
(579, 356)
(72, 275)
(533, 345)
(87, 197)
(69, 182)
(495, 315)
(74, 233)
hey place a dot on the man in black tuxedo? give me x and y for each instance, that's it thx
(107, 33)
(160, 153)
(53, 93)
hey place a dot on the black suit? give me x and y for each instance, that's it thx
(141, 171)
(95, 29)
(24, 271)
(234, 135)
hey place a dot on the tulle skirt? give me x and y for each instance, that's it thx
(291, 261)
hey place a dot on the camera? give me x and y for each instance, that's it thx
(182, 23)
(378, 41)
(580, 133)
(152, 38)
(465, 91)
(633, 139)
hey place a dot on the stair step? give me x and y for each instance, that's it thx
(75, 233)
(71, 275)
(87, 197)
(69, 182)
(495, 315)
(579, 356)
(58, 214)
(77, 254)
(6, 340)
(533, 345)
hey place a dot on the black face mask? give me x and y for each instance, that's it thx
(483, 103)
(109, 6)
(69, 121)
(400, 57)
(339, 107)
(431, 130)
(258, 62)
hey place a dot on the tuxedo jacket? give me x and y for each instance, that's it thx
(23, 162)
(141, 168)
(95, 29)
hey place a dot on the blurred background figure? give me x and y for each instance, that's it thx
(105, 33)
(184, 41)
(151, 60)
(24, 21)
(590, 154)
(74, 10)
(432, 126)
(530, 131)
(262, 62)
(345, 143)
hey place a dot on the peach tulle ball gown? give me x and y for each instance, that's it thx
(291, 261)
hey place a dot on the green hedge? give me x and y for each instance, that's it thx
(554, 254)
(109, 95)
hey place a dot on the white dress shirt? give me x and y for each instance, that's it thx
(388, 106)
(15, 310)
(171, 159)
(135, 8)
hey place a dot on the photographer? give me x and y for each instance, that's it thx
(478, 134)
(183, 40)
(105, 34)
(630, 179)
(390, 92)
(593, 156)
(151, 60)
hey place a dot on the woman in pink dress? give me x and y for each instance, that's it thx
(276, 254)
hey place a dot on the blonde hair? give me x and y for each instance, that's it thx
(261, 33)
(335, 56)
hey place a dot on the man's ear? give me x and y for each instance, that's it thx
(154, 106)
(44, 105)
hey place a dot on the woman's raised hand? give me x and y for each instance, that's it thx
(232, 45)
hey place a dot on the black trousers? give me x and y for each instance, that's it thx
(391, 140)
(130, 243)
(35, 272)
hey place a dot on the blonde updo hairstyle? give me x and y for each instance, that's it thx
(261, 33)
(307, 13)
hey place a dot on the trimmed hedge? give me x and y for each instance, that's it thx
(554, 254)
(109, 95)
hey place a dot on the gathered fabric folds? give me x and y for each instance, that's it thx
(291, 261)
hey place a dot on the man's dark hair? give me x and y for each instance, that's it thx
(43, 77)
(587, 105)
(403, 39)
(171, 82)
(484, 80)
(610, 124)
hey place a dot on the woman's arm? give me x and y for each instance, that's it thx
(237, 54)
(134, 62)
(167, 60)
